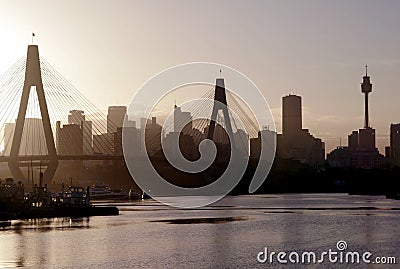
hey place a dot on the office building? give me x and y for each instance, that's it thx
(295, 142)
(115, 118)
(33, 141)
(395, 143)
(69, 139)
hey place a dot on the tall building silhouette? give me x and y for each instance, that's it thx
(395, 143)
(291, 115)
(77, 117)
(153, 137)
(102, 144)
(69, 139)
(295, 142)
(74, 138)
(255, 143)
(113, 138)
(33, 141)
(133, 139)
(115, 118)
(186, 135)
(182, 120)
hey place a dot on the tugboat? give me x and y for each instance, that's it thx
(74, 202)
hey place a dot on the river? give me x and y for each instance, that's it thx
(228, 234)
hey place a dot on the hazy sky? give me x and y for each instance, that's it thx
(317, 49)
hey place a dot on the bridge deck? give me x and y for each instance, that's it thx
(64, 157)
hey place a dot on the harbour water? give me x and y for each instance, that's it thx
(227, 234)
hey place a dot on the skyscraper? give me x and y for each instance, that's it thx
(69, 139)
(295, 142)
(182, 121)
(115, 118)
(33, 141)
(395, 143)
(153, 136)
(291, 115)
(77, 117)
(103, 144)
(266, 136)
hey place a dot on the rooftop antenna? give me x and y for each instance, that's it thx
(33, 35)
(366, 70)
(220, 73)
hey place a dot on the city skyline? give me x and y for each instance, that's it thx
(199, 134)
(117, 114)
(313, 49)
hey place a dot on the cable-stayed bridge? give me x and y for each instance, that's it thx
(34, 100)
(44, 119)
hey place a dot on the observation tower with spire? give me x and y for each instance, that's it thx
(366, 88)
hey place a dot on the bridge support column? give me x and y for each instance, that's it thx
(220, 104)
(33, 77)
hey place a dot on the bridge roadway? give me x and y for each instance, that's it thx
(25, 158)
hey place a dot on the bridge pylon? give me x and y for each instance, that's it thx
(220, 104)
(33, 77)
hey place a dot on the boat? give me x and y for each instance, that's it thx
(146, 195)
(72, 202)
(73, 197)
(393, 195)
(104, 192)
(41, 203)
(135, 195)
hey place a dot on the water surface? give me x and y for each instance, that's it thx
(228, 234)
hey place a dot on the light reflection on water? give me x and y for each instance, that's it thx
(45, 224)
(224, 235)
